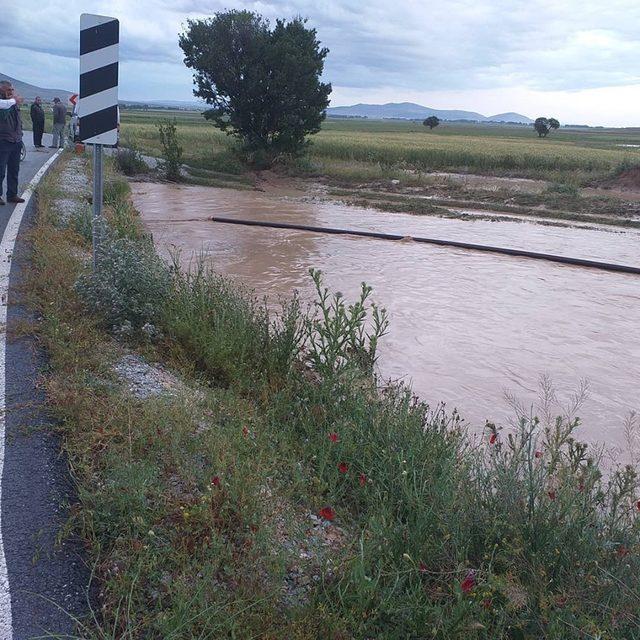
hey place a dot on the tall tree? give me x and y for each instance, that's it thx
(263, 83)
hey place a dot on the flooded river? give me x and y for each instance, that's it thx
(466, 327)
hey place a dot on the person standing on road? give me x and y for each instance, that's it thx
(10, 141)
(59, 120)
(37, 120)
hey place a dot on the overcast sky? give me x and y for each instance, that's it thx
(578, 60)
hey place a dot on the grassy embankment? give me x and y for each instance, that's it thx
(360, 158)
(202, 510)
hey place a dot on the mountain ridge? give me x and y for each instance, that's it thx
(30, 91)
(394, 110)
(413, 111)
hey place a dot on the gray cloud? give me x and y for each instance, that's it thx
(460, 44)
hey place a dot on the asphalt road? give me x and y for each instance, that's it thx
(47, 578)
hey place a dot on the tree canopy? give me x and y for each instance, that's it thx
(544, 125)
(262, 83)
(431, 122)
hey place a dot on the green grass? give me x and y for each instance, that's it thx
(195, 508)
(351, 150)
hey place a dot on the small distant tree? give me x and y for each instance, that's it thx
(262, 82)
(543, 126)
(431, 122)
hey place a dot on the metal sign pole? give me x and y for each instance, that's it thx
(98, 105)
(97, 202)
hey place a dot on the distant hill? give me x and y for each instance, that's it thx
(412, 111)
(510, 117)
(30, 91)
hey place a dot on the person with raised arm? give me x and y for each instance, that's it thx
(10, 141)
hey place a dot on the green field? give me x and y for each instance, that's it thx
(352, 150)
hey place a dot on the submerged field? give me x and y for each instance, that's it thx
(365, 149)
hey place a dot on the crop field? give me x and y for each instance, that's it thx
(351, 150)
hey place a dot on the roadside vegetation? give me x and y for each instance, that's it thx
(283, 491)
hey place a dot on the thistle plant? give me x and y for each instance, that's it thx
(342, 336)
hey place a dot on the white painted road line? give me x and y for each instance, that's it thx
(7, 247)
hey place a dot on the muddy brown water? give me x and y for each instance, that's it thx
(466, 327)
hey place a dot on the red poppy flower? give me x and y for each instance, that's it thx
(469, 582)
(493, 438)
(343, 467)
(423, 567)
(245, 431)
(215, 481)
(486, 603)
(538, 454)
(551, 494)
(362, 479)
(622, 551)
(327, 513)
(334, 437)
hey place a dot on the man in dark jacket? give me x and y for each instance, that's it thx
(59, 120)
(10, 142)
(37, 120)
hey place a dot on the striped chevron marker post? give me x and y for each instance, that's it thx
(98, 106)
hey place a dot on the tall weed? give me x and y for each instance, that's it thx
(226, 332)
(171, 150)
(338, 334)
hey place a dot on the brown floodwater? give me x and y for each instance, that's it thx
(466, 327)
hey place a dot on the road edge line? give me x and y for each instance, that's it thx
(7, 247)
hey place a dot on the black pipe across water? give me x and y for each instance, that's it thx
(579, 262)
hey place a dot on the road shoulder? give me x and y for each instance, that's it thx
(47, 577)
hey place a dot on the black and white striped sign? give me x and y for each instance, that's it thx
(98, 106)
